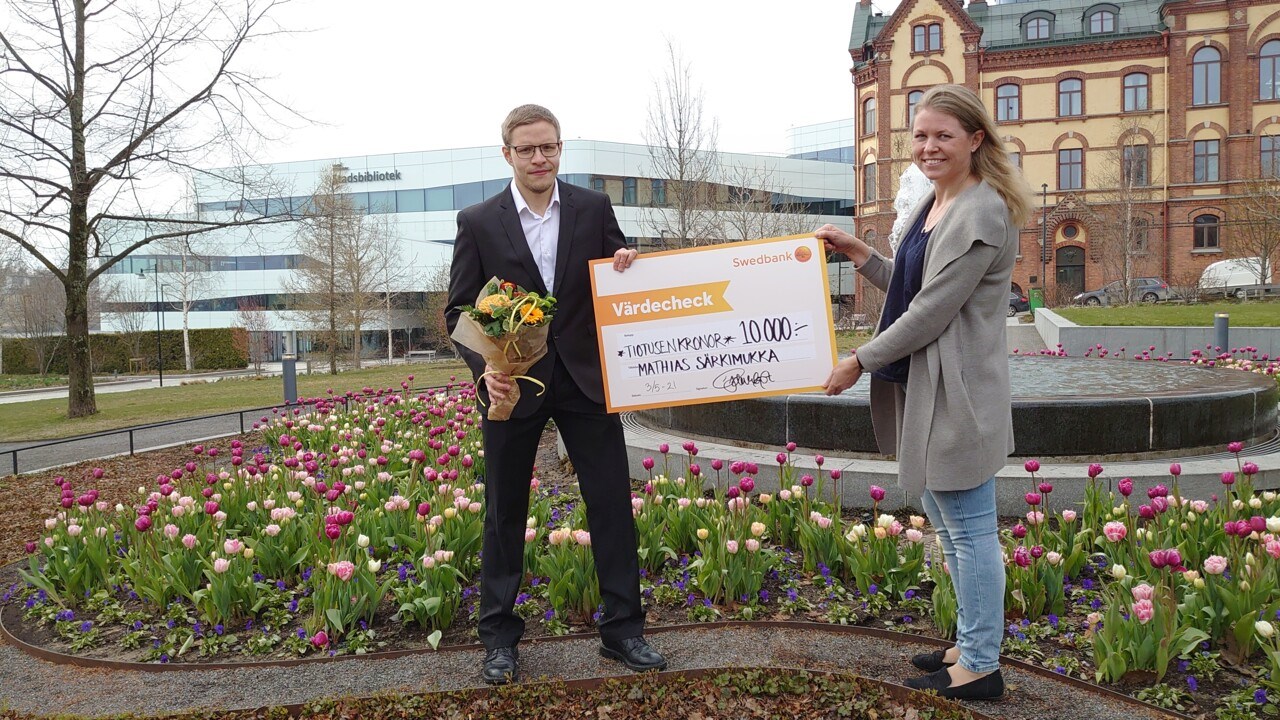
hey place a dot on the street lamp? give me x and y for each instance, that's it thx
(1044, 228)
(155, 270)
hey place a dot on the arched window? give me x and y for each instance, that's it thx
(1206, 77)
(1070, 97)
(1269, 71)
(1136, 165)
(1071, 169)
(1102, 21)
(1206, 232)
(913, 98)
(868, 116)
(1037, 26)
(1137, 92)
(925, 38)
(1206, 154)
(1269, 154)
(1009, 102)
(869, 182)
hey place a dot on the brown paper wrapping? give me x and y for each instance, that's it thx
(512, 354)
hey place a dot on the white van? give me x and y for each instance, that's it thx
(1235, 276)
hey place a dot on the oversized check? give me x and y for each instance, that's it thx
(714, 323)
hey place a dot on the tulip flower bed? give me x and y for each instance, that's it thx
(359, 528)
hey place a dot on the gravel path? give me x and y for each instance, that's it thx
(40, 687)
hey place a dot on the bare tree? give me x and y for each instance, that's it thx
(682, 152)
(1120, 238)
(188, 275)
(127, 301)
(346, 258)
(1255, 240)
(40, 303)
(252, 317)
(757, 205)
(101, 100)
(436, 284)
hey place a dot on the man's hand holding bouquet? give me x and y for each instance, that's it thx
(508, 327)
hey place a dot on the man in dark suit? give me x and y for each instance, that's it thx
(540, 234)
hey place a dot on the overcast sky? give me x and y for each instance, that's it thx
(383, 76)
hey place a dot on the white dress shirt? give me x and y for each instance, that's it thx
(542, 232)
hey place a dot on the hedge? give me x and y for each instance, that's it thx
(211, 349)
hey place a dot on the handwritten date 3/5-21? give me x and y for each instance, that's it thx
(732, 380)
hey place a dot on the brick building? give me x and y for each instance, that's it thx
(1140, 125)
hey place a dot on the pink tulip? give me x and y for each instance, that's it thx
(1144, 610)
(189, 541)
(143, 523)
(1175, 469)
(1228, 478)
(877, 493)
(530, 535)
(1045, 488)
(781, 458)
(818, 460)
(1125, 486)
(806, 480)
(221, 565)
(1019, 531)
(647, 463)
(333, 532)
(1021, 556)
(1235, 447)
(835, 474)
(320, 640)
(732, 492)
(424, 509)
(731, 546)
(211, 507)
(1032, 499)
(717, 465)
(753, 545)
(1249, 469)
(746, 485)
(664, 448)
(1031, 466)
(343, 569)
(791, 447)
(1068, 516)
(1115, 531)
(1095, 470)
(1146, 512)
(694, 470)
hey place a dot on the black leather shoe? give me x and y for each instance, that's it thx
(633, 652)
(931, 662)
(987, 687)
(501, 666)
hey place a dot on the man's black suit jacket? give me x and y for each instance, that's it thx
(491, 243)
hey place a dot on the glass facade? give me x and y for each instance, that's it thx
(134, 264)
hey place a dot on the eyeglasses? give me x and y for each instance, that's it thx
(549, 150)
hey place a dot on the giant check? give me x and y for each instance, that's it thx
(714, 323)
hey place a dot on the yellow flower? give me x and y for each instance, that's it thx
(532, 316)
(490, 304)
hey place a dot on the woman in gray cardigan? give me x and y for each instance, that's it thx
(940, 396)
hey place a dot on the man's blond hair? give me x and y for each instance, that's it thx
(525, 115)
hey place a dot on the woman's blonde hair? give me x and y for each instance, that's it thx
(990, 161)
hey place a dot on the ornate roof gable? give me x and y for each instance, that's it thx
(953, 8)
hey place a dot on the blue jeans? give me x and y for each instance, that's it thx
(966, 526)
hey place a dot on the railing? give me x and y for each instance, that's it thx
(153, 436)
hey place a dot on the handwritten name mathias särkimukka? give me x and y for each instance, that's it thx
(706, 362)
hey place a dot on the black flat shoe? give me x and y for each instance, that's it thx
(931, 662)
(987, 687)
(501, 666)
(633, 652)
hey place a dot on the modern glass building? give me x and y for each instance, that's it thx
(421, 193)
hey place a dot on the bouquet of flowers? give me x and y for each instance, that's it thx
(508, 327)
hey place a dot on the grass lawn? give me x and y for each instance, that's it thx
(46, 419)
(847, 340)
(28, 382)
(1246, 314)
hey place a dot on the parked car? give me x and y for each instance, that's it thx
(1017, 303)
(1146, 289)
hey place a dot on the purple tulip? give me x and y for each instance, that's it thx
(143, 523)
(818, 460)
(736, 467)
(333, 532)
(664, 448)
(781, 458)
(98, 473)
(835, 474)
(694, 470)
(1021, 556)
(1032, 499)
(746, 485)
(1160, 503)
(717, 465)
(31, 547)
(210, 507)
(1228, 478)
(733, 492)
(1031, 466)
(751, 468)
(1125, 486)
(1019, 531)
(320, 640)
(1235, 447)
(1037, 551)
(877, 493)
(647, 463)
(1095, 470)
(1258, 524)
(1158, 558)
(1249, 469)
(1175, 469)
(1146, 512)
(424, 509)
(1045, 488)
(806, 480)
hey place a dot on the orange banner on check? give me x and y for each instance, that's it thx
(663, 303)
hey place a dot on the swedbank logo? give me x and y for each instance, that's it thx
(803, 253)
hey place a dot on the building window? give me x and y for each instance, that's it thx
(1015, 158)
(1206, 160)
(869, 182)
(1009, 102)
(1070, 97)
(913, 98)
(1269, 71)
(1038, 27)
(1141, 232)
(1071, 169)
(1137, 87)
(628, 191)
(1269, 153)
(659, 192)
(925, 38)
(868, 116)
(1206, 77)
(1137, 161)
(1103, 21)
(597, 184)
(1206, 232)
